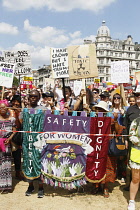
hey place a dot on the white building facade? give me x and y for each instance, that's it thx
(109, 50)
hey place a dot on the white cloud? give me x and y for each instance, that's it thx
(39, 55)
(6, 28)
(58, 5)
(45, 38)
(80, 40)
(48, 35)
(75, 34)
(54, 37)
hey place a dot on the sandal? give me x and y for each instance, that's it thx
(106, 193)
(95, 190)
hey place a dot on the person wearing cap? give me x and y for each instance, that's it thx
(104, 96)
(102, 107)
(48, 101)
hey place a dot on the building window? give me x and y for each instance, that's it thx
(101, 61)
(107, 71)
(101, 52)
(101, 79)
(101, 70)
(107, 60)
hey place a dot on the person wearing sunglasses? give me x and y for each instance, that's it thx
(118, 108)
(34, 97)
(96, 97)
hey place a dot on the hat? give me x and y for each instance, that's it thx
(104, 94)
(48, 94)
(103, 105)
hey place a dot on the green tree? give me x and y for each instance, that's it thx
(15, 82)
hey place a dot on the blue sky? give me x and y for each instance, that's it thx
(38, 25)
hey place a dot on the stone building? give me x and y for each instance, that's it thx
(109, 50)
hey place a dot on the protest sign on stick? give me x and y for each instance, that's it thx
(120, 72)
(82, 61)
(6, 74)
(22, 60)
(77, 87)
(59, 62)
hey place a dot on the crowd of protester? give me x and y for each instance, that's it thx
(61, 99)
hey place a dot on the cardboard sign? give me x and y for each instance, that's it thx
(82, 61)
(48, 85)
(77, 87)
(120, 72)
(137, 75)
(22, 60)
(28, 78)
(59, 62)
(96, 80)
(6, 74)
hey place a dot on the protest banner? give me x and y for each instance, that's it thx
(22, 60)
(28, 78)
(69, 150)
(32, 121)
(120, 72)
(2, 58)
(82, 61)
(59, 62)
(6, 74)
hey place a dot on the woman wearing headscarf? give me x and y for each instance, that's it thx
(7, 125)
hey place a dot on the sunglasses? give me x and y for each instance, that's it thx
(137, 95)
(117, 97)
(35, 96)
(95, 92)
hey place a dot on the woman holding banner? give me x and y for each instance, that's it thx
(102, 107)
(7, 125)
(117, 107)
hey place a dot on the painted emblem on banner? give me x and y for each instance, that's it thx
(64, 157)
